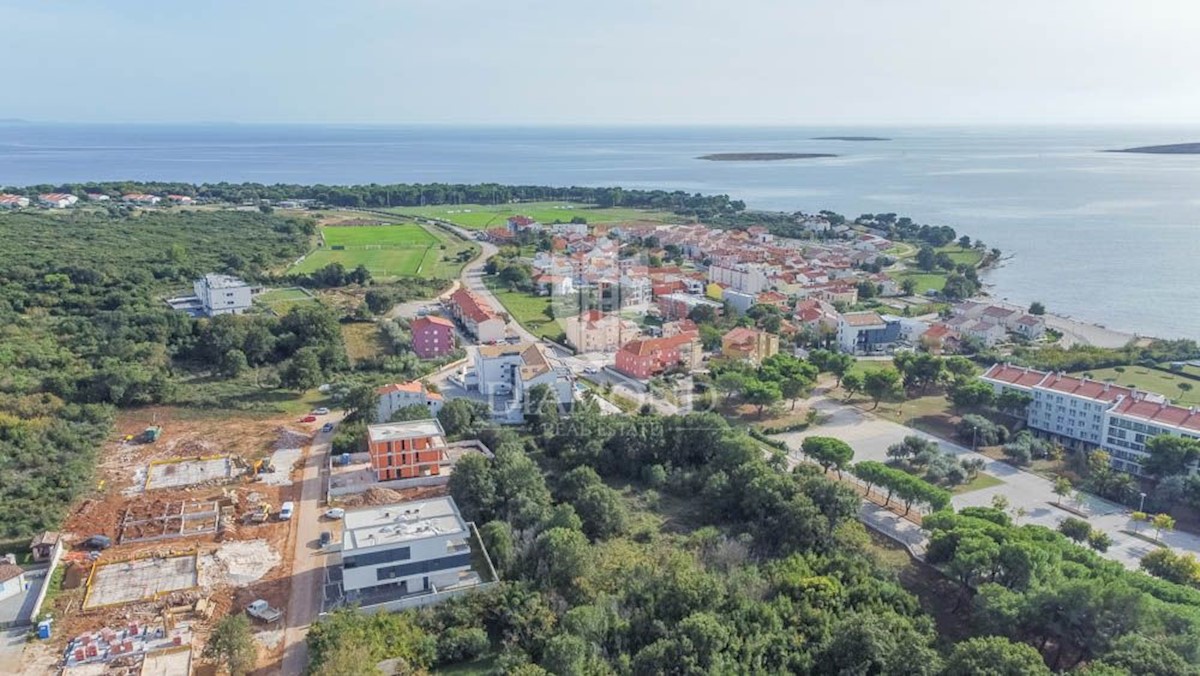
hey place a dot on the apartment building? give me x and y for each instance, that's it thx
(747, 277)
(222, 295)
(506, 373)
(406, 450)
(1085, 414)
(432, 336)
(647, 357)
(595, 331)
(409, 551)
(867, 332)
(477, 317)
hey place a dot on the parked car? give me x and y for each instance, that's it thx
(285, 510)
(335, 513)
(327, 427)
(326, 538)
(263, 611)
(321, 411)
(309, 418)
(98, 542)
(591, 370)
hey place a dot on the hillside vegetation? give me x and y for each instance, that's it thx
(83, 329)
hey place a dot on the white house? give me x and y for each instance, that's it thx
(396, 396)
(12, 580)
(57, 200)
(141, 198)
(13, 201)
(222, 294)
(405, 551)
(748, 277)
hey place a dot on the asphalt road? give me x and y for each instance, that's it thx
(308, 562)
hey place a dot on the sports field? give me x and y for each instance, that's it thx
(385, 250)
(482, 217)
(282, 300)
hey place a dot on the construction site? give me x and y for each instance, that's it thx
(192, 515)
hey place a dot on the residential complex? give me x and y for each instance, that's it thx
(477, 317)
(396, 396)
(595, 331)
(1086, 414)
(407, 551)
(506, 373)
(13, 201)
(57, 200)
(406, 450)
(432, 336)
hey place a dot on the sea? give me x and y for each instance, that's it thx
(1107, 238)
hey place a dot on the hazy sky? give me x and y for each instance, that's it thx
(603, 61)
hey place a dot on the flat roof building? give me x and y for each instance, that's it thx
(407, 553)
(406, 450)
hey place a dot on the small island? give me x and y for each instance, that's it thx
(761, 157)
(1170, 149)
(850, 138)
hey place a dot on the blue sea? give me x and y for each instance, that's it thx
(1111, 238)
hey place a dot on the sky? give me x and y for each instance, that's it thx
(555, 62)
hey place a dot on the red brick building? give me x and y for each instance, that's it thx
(406, 450)
(432, 336)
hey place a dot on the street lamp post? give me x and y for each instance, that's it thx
(1142, 502)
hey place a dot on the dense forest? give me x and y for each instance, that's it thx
(679, 545)
(411, 195)
(83, 329)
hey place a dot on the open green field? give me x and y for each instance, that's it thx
(390, 251)
(1166, 384)
(528, 311)
(482, 217)
(280, 301)
(925, 280)
(958, 255)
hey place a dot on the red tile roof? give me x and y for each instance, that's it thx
(1160, 413)
(472, 306)
(422, 322)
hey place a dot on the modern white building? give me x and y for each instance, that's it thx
(405, 551)
(222, 295)
(1086, 414)
(867, 332)
(506, 373)
(748, 277)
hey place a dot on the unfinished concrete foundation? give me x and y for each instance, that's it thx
(188, 472)
(162, 520)
(139, 580)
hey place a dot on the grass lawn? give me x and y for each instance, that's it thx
(481, 217)
(282, 300)
(386, 250)
(925, 281)
(958, 255)
(363, 341)
(528, 311)
(1153, 380)
(980, 482)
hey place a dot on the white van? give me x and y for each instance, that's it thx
(285, 511)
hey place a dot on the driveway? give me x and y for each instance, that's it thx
(871, 435)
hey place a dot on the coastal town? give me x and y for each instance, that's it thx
(352, 504)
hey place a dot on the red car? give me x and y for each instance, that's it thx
(309, 418)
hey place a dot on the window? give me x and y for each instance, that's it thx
(419, 567)
(375, 558)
